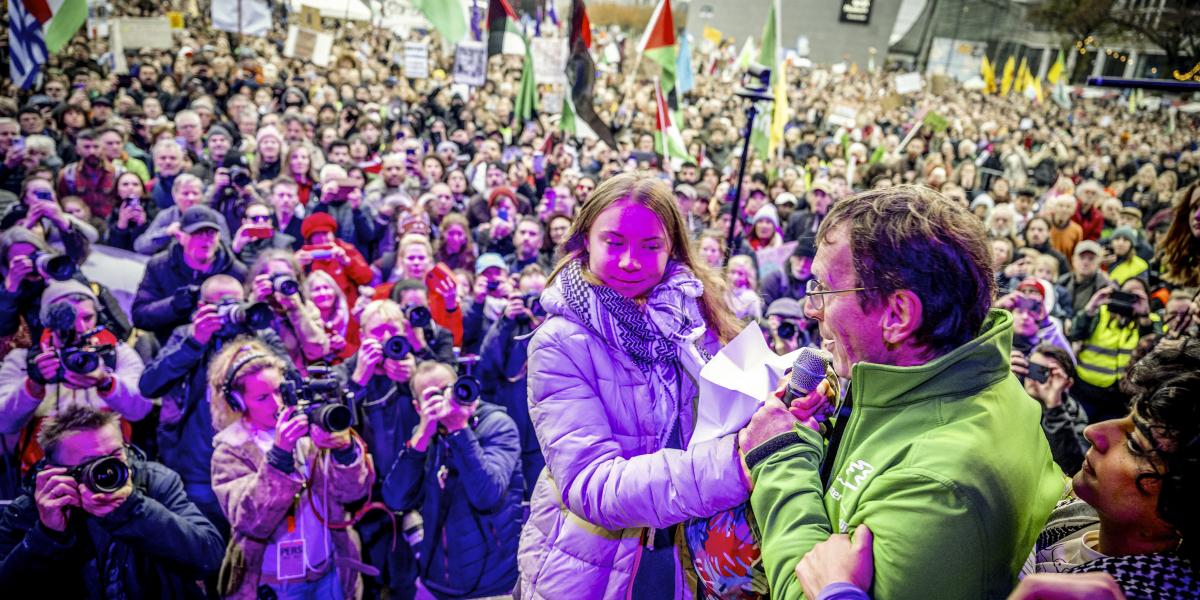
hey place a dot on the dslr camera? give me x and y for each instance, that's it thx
(59, 267)
(465, 390)
(244, 316)
(321, 397)
(80, 353)
(1122, 303)
(103, 475)
(417, 315)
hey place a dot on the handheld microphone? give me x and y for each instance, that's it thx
(807, 373)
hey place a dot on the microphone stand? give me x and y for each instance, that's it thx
(756, 84)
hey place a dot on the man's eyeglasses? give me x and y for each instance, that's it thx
(815, 292)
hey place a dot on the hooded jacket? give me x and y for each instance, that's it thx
(609, 482)
(946, 462)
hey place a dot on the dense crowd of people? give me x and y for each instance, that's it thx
(365, 354)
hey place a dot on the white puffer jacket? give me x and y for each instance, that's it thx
(607, 480)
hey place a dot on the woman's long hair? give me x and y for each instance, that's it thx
(340, 322)
(651, 192)
(465, 257)
(1181, 248)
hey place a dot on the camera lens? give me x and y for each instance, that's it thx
(396, 348)
(418, 316)
(787, 330)
(80, 361)
(285, 284)
(58, 267)
(493, 285)
(332, 417)
(534, 303)
(466, 390)
(240, 178)
(105, 476)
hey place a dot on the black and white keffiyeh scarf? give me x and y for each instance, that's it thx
(660, 337)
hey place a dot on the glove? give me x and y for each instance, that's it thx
(185, 298)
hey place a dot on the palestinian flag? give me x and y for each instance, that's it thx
(579, 111)
(667, 138)
(504, 29)
(658, 43)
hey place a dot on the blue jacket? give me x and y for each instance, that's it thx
(473, 522)
(153, 309)
(155, 545)
(503, 362)
(179, 375)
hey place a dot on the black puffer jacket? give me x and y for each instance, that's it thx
(155, 545)
(154, 307)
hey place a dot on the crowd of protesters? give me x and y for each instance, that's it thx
(380, 242)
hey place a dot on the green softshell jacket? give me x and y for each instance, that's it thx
(945, 462)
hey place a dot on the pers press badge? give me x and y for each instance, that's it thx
(291, 559)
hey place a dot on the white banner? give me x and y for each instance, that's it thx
(416, 60)
(150, 32)
(118, 270)
(470, 63)
(549, 60)
(255, 17)
(908, 83)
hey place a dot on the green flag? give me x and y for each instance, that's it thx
(447, 16)
(760, 136)
(523, 108)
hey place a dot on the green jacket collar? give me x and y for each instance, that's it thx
(961, 373)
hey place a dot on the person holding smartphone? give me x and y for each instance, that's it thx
(258, 234)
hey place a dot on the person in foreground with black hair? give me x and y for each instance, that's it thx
(100, 521)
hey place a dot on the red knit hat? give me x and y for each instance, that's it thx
(316, 223)
(501, 191)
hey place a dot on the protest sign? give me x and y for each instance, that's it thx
(470, 63)
(416, 60)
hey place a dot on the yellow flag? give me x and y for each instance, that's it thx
(988, 72)
(1036, 86)
(1010, 67)
(1022, 76)
(1056, 69)
(713, 35)
(780, 116)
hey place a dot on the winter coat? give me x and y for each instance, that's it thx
(945, 462)
(179, 375)
(256, 496)
(781, 284)
(154, 237)
(155, 545)
(354, 225)
(153, 307)
(503, 362)
(18, 406)
(472, 519)
(608, 481)
(349, 277)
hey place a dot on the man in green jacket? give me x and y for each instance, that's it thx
(937, 448)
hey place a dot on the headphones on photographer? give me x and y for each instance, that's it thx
(232, 397)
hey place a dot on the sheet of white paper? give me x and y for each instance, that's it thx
(734, 383)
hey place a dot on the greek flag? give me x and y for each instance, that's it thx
(27, 51)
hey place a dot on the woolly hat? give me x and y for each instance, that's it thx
(769, 213)
(268, 131)
(501, 191)
(57, 290)
(317, 223)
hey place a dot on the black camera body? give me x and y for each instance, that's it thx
(466, 390)
(1122, 303)
(103, 475)
(321, 397)
(59, 267)
(79, 353)
(86, 358)
(787, 330)
(244, 316)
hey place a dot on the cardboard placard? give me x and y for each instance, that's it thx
(936, 122)
(470, 63)
(549, 60)
(305, 44)
(843, 116)
(175, 18)
(416, 60)
(310, 18)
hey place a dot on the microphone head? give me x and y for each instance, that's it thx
(808, 370)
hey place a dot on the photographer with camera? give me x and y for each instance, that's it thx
(101, 520)
(461, 469)
(323, 250)
(232, 190)
(178, 374)
(1108, 330)
(492, 289)
(1048, 374)
(787, 326)
(40, 212)
(503, 362)
(27, 263)
(276, 279)
(167, 294)
(284, 479)
(257, 233)
(341, 200)
(73, 361)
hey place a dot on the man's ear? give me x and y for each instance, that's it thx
(902, 316)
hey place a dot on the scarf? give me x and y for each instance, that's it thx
(660, 337)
